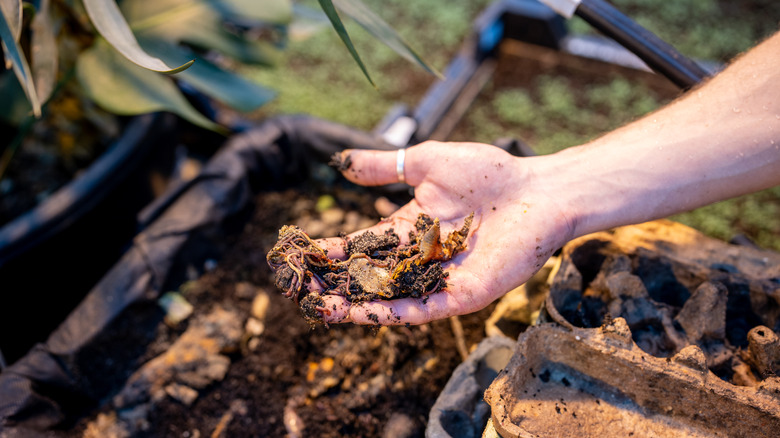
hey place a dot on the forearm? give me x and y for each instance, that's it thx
(718, 141)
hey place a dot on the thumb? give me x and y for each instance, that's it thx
(374, 168)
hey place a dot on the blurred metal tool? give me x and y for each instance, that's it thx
(656, 53)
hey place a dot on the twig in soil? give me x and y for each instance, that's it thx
(292, 422)
(236, 407)
(460, 340)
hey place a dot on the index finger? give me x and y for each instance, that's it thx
(373, 168)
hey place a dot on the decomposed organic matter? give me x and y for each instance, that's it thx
(377, 267)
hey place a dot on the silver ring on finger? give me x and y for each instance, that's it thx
(399, 165)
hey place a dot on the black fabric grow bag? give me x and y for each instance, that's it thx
(59, 380)
(53, 254)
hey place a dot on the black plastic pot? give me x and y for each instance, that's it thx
(51, 255)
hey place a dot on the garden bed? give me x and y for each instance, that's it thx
(289, 377)
(553, 100)
(81, 229)
(120, 363)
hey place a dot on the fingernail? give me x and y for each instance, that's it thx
(340, 161)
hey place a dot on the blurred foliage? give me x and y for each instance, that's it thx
(553, 113)
(54, 37)
(76, 64)
(323, 82)
(755, 216)
(118, 49)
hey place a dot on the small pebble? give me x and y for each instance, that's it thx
(401, 425)
(246, 290)
(385, 207)
(332, 216)
(176, 307)
(183, 394)
(260, 305)
(254, 327)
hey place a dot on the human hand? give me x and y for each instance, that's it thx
(517, 226)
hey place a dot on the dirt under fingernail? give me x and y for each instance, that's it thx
(340, 161)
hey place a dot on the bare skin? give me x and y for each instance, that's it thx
(718, 141)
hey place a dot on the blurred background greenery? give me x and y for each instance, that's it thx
(550, 112)
(549, 108)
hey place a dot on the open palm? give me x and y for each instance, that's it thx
(516, 227)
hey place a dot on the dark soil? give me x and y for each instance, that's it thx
(368, 243)
(300, 380)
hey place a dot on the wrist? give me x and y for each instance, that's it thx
(597, 188)
(557, 178)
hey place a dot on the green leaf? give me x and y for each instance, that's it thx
(201, 23)
(108, 20)
(377, 27)
(333, 16)
(219, 84)
(19, 64)
(12, 10)
(14, 106)
(43, 47)
(124, 88)
(207, 33)
(145, 14)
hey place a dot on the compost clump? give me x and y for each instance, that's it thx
(377, 266)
